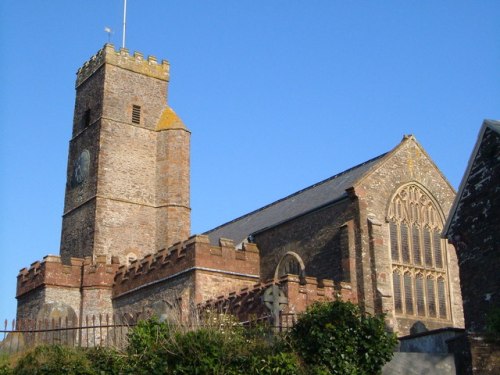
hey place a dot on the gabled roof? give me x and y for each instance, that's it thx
(299, 203)
(494, 126)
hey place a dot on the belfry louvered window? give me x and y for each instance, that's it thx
(136, 114)
(418, 256)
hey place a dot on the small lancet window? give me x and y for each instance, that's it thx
(405, 249)
(136, 114)
(394, 241)
(398, 300)
(441, 297)
(438, 254)
(407, 280)
(431, 297)
(416, 245)
(419, 292)
(86, 118)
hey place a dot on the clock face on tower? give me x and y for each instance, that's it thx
(80, 168)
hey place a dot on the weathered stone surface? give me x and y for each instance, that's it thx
(135, 199)
(420, 363)
(474, 228)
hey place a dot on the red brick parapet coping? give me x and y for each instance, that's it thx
(195, 254)
(247, 303)
(79, 273)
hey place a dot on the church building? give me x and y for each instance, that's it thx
(370, 234)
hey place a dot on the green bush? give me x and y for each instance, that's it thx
(204, 351)
(107, 360)
(335, 338)
(54, 360)
(281, 363)
(493, 324)
(147, 349)
(159, 348)
(5, 368)
(220, 347)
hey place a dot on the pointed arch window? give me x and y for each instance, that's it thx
(418, 254)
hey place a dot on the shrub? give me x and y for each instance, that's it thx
(159, 348)
(147, 349)
(281, 363)
(335, 338)
(220, 346)
(204, 351)
(5, 368)
(54, 360)
(107, 361)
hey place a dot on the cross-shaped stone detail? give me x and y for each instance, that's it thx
(275, 300)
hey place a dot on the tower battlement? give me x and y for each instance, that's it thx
(136, 62)
(194, 254)
(51, 271)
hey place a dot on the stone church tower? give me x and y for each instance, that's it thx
(127, 190)
(370, 234)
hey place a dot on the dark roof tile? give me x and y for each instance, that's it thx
(299, 203)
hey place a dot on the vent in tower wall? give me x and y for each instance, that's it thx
(136, 114)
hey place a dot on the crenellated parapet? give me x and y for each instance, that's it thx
(304, 292)
(51, 271)
(99, 272)
(195, 254)
(248, 303)
(136, 62)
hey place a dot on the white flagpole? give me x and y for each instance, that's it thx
(124, 21)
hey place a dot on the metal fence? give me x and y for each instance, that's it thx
(101, 330)
(95, 330)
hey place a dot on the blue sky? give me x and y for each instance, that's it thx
(278, 95)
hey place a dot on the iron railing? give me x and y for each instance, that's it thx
(95, 330)
(100, 330)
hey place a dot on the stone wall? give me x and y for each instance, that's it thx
(407, 164)
(169, 298)
(51, 288)
(475, 231)
(485, 355)
(187, 274)
(173, 219)
(317, 237)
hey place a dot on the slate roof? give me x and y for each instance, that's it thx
(301, 202)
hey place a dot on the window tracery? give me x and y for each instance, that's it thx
(290, 263)
(417, 253)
